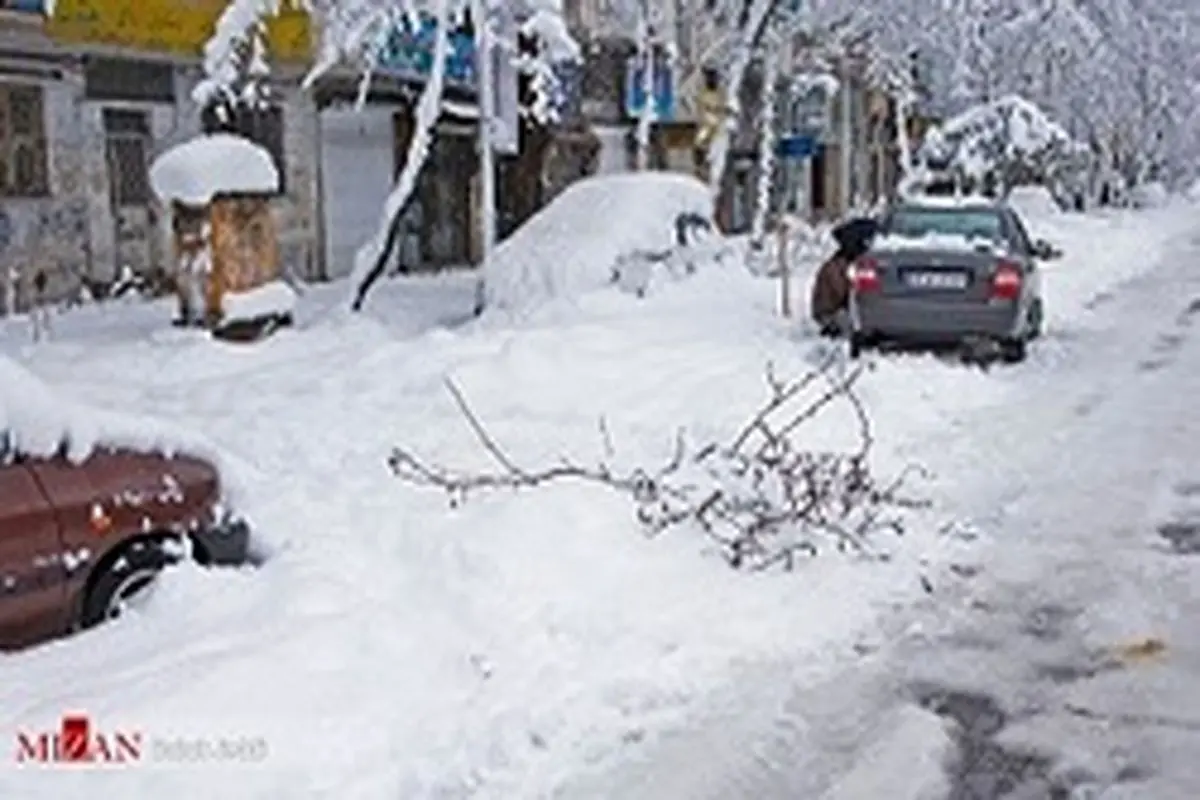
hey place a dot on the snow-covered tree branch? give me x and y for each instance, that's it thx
(352, 33)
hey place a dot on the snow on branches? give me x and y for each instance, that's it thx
(762, 497)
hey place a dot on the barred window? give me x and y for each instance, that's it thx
(22, 142)
(127, 147)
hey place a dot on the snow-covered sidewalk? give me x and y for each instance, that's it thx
(394, 648)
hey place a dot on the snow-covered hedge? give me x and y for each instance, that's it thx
(573, 245)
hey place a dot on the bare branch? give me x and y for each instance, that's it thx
(764, 500)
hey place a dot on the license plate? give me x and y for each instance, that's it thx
(936, 280)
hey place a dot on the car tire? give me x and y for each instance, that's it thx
(858, 344)
(1013, 351)
(132, 571)
(1036, 320)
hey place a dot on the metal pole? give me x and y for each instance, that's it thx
(487, 118)
(847, 139)
(785, 283)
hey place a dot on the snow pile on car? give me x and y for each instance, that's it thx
(951, 242)
(37, 420)
(219, 163)
(572, 246)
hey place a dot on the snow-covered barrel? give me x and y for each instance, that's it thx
(217, 188)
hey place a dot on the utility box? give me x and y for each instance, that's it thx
(218, 190)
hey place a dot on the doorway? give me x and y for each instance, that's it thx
(127, 147)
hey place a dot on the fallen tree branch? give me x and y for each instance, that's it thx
(762, 498)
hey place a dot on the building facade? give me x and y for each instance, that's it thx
(88, 99)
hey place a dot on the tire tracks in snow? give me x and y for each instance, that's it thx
(779, 732)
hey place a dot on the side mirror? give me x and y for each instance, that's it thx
(1044, 251)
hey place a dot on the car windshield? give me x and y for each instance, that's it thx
(971, 223)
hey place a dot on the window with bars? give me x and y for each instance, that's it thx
(23, 171)
(127, 147)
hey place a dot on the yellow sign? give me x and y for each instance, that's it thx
(180, 27)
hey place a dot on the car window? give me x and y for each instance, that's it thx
(917, 222)
(1023, 242)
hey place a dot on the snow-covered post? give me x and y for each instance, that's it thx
(766, 146)
(11, 277)
(902, 101)
(785, 269)
(846, 149)
(487, 119)
(646, 42)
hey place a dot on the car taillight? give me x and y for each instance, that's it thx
(864, 275)
(1006, 281)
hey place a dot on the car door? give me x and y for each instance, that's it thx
(1023, 245)
(32, 580)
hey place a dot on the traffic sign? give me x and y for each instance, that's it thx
(797, 145)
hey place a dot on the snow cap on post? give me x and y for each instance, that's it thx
(198, 170)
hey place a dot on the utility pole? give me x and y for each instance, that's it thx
(487, 118)
(847, 143)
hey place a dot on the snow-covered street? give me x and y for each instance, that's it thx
(1055, 655)
(538, 645)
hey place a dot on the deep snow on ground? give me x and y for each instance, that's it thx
(1061, 481)
(393, 648)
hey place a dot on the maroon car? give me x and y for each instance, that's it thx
(79, 540)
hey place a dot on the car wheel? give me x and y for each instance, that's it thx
(1013, 351)
(858, 343)
(125, 581)
(1036, 320)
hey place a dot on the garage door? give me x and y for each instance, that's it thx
(357, 162)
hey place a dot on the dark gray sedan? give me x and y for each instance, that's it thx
(948, 271)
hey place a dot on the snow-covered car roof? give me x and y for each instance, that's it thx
(571, 246)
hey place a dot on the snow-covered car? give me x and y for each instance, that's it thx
(87, 521)
(601, 231)
(949, 270)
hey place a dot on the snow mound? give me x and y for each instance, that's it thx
(572, 245)
(1034, 202)
(983, 136)
(219, 163)
(275, 298)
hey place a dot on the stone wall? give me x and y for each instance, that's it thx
(50, 234)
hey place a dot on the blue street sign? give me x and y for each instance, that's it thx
(664, 88)
(408, 52)
(796, 145)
